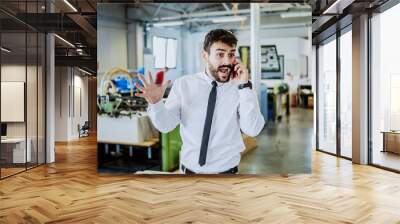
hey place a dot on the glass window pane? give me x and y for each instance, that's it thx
(346, 94)
(13, 86)
(41, 98)
(385, 86)
(31, 97)
(327, 97)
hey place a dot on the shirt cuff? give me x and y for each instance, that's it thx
(156, 107)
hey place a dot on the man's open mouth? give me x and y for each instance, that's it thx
(223, 70)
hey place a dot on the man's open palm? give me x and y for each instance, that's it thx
(152, 92)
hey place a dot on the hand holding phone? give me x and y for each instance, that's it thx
(232, 74)
(239, 73)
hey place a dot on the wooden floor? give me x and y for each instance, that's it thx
(71, 191)
(10, 171)
(387, 159)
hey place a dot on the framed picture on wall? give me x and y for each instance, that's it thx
(269, 59)
(278, 74)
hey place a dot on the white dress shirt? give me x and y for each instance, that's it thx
(186, 105)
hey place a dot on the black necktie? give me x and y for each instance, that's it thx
(207, 125)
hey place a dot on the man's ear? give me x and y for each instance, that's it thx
(204, 55)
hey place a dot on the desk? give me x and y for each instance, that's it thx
(16, 147)
(125, 130)
(391, 141)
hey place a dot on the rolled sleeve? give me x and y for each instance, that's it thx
(156, 107)
(165, 117)
(250, 117)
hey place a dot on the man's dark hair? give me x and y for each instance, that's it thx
(216, 35)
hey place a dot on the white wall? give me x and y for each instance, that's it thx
(112, 40)
(15, 72)
(79, 117)
(385, 66)
(61, 103)
(67, 114)
(33, 126)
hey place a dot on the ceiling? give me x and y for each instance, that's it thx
(332, 15)
(199, 15)
(77, 24)
(74, 22)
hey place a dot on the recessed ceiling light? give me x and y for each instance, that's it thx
(172, 23)
(228, 19)
(86, 72)
(5, 50)
(70, 5)
(65, 41)
(295, 14)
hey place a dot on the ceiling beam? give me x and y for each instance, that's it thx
(84, 24)
(226, 7)
(82, 61)
(224, 13)
(194, 8)
(157, 10)
(91, 5)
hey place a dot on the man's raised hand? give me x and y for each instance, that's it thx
(150, 91)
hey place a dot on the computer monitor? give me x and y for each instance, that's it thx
(3, 129)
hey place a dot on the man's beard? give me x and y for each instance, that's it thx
(214, 71)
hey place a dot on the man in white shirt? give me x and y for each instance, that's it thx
(212, 108)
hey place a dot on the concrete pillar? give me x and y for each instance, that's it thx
(360, 90)
(139, 45)
(255, 47)
(132, 46)
(135, 45)
(50, 91)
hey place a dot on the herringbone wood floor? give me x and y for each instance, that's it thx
(71, 191)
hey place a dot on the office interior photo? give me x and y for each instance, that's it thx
(329, 151)
(286, 81)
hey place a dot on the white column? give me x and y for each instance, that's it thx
(50, 94)
(360, 90)
(132, 46)
(255, 47)
(139, 45)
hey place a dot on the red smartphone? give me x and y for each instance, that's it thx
(159, 77)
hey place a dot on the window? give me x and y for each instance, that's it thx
(346, 94)
(327, 97)
(164, 51)
(385, 89)
(22, 78)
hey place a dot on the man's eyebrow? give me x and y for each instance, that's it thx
(219, 49)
